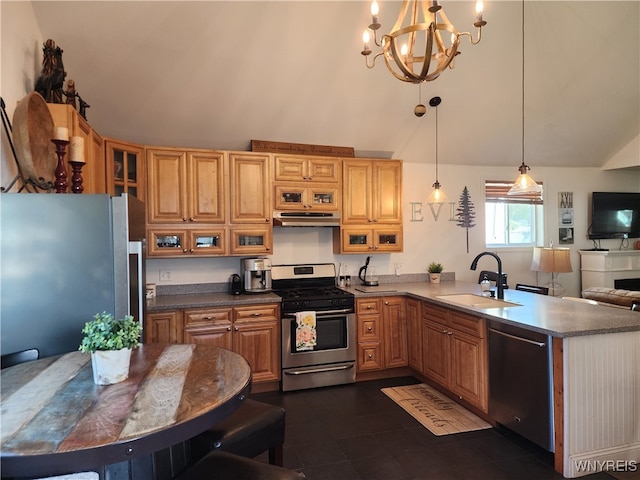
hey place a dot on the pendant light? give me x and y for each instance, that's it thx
(437, 196)
(524, 184)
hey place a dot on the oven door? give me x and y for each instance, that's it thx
(335, 337)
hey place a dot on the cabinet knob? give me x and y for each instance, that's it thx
(191, 250)
(386, 303)
(228, 329)
(376, 247)
(370, 356)
(449, 332)
(207, 318)
(191, 219)
(185, 250)
(370, 328)
(184, 219)
(236, 329)
(267, 220)
(444, 331)
(256, 314)
(267, 248)
(368, 307)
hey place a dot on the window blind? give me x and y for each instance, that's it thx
(496, 191)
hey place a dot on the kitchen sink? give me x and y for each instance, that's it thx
(476, 301)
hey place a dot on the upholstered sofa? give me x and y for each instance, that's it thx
(619, 297)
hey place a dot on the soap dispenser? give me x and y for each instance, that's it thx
(485, 286)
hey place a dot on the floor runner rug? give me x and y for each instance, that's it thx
(437, 412)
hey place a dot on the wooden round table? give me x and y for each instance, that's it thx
(56, 420)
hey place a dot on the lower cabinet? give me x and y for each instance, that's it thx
(252, 331)
(454, 347)
(414, 333)
(382, 333)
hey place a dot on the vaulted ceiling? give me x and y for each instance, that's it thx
(217, 74)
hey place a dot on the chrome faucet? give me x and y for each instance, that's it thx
(500, 282)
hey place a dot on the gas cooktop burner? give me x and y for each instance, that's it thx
(312, 293)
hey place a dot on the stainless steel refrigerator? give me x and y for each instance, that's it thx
(64, 258)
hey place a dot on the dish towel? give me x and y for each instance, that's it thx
(305, 331)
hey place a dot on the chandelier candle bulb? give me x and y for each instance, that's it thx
(76, 153)
(61, 133)
(365, 40)
(479, 8)
(375, 9)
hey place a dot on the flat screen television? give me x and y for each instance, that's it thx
(615, 215)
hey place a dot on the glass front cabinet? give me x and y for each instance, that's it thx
(125, 168)
(177, 243)
(364, 240)
(317, 197)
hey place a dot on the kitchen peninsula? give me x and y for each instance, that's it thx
(596, 361)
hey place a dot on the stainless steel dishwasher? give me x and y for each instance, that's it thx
(521, 383)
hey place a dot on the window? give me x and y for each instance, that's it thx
(511, 221)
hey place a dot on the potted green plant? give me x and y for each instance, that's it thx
(435, 269)
(110, 342)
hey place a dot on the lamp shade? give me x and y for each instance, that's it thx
(554, 260)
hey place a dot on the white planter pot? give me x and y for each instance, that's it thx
(110, 366)
(434, 277)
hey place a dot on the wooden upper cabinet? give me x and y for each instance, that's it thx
(250, 184)
(186, 186)
(125, 168)
(372, 192)
(387, 191)
(166, 186)
(93, 173)
(206, 186)
(291, 168)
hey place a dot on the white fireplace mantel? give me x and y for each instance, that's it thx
(602, 268)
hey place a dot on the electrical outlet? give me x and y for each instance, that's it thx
(165, 275)
(398, 268)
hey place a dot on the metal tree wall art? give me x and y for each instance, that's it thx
(466, 214)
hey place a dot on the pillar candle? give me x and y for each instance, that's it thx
(61, 133)
(76, 152)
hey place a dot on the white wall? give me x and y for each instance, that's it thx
(424, 241)
(20, 66)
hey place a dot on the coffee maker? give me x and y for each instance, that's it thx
(256, 273)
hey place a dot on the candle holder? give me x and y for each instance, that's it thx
(61, 171)
(76, 178)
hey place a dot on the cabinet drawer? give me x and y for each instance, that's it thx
(206, 316)
(368, 305)
(435, 313)
(257, 313)
(370, 356)
(467, 323)
(368, 328)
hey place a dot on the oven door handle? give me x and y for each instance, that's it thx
(318, 370)
(326, 313)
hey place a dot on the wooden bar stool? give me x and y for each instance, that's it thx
(253, 428)
(218, 465)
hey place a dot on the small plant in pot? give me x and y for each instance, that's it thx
(110, 342)
(435, 269)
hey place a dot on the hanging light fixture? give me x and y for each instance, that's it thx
(437, 196)
(524, 184)
(419, 28)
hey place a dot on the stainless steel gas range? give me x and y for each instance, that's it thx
(331, 357)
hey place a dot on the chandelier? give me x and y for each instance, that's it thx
(417, 49)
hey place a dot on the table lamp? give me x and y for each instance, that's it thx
(554, 261)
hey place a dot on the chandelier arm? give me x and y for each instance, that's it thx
(470, 35)
(373, 63)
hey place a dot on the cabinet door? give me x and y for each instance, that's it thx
(325, 170)
(323, 198)
(207, 241)
(163, 327)
(356, 204)
(387, 239)
(250, 188)
(251, 240)
(435, 351)
(167, 242)
(414, 333)
(356, 240)
(469, 369)
(125, 168)
(166, 196)
(395, 332)
(209, 326)
(207, 191)
(387, 191)
(256, 343)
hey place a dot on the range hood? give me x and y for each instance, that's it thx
(306, 219)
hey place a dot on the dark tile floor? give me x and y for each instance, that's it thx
(355, 432)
